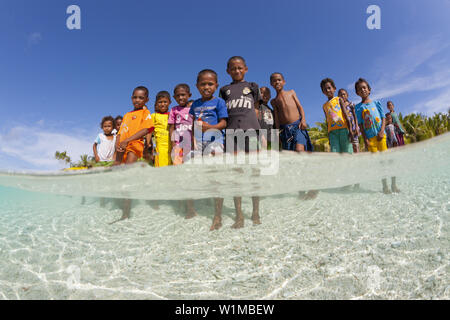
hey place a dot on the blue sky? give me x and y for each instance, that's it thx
(56, 84)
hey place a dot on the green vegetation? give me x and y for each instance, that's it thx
(85, 160)
(418, 127)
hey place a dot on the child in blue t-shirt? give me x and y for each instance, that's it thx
(209, 119)
(210, 115)
(372, 123)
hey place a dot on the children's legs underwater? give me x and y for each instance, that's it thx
(126, 209)
(190, 210)
(385, 187)
(312, 194)
(356, 150)
(126, 203)
(239, 220)
(394, 187)
(255, 215)
(217, 220)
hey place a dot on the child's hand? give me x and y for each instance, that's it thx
(302, 125)
(205, 126)
(380, 135)
(97, 158)
(366, 142)
(122, 146)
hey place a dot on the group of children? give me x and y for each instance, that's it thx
(241, 108)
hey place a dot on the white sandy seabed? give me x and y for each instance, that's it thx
(345, 244)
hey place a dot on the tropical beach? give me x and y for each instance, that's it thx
(287, 164)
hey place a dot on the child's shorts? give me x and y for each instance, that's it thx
(291, 135)
(339, 141)
(377, 146)
(137, 147)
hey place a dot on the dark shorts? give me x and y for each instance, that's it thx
(292, 135)
(242, 141)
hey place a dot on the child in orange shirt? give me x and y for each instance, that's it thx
(129, 142)
(135, 125)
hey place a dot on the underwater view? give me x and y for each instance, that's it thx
(56, 240)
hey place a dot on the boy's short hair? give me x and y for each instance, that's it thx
(274, 74)
(162, 94)
(388, 114)
(118, 118)
(361, 80)
(325, 81)
(205, 71)
(107, 118)
(235, 58)
(141, 88)
(182, 86)
(389, 102)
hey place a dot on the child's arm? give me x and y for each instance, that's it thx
(380, 134)
(356, 121)
(275, 114)
(326, 122)
(257, 112)
(138, 135)
(366, 141)
(171, 128)
(97, 158)
(222, 124)
(300, 110)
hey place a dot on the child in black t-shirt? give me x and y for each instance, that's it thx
(241, 98)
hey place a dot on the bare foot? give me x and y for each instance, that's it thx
(386, 191)
(395, 189)
(217, 224)
(311, 195)
(256, 219)
(190, 215)
(238, 224)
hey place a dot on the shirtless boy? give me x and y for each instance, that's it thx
(289, 117)
(290, 120)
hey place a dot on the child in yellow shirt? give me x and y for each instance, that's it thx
(161, 122)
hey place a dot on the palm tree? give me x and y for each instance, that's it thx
(420, 127)
(85, 161)
(62, 156)
(319, 137)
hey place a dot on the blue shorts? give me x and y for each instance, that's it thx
(292, 135)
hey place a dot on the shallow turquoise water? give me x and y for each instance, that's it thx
(345, 244)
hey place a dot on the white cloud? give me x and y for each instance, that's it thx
(36, 148)
(440, 103)
(414, 65)
(34, 38)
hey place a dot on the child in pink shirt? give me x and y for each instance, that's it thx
(180, 124)
(180, 127)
